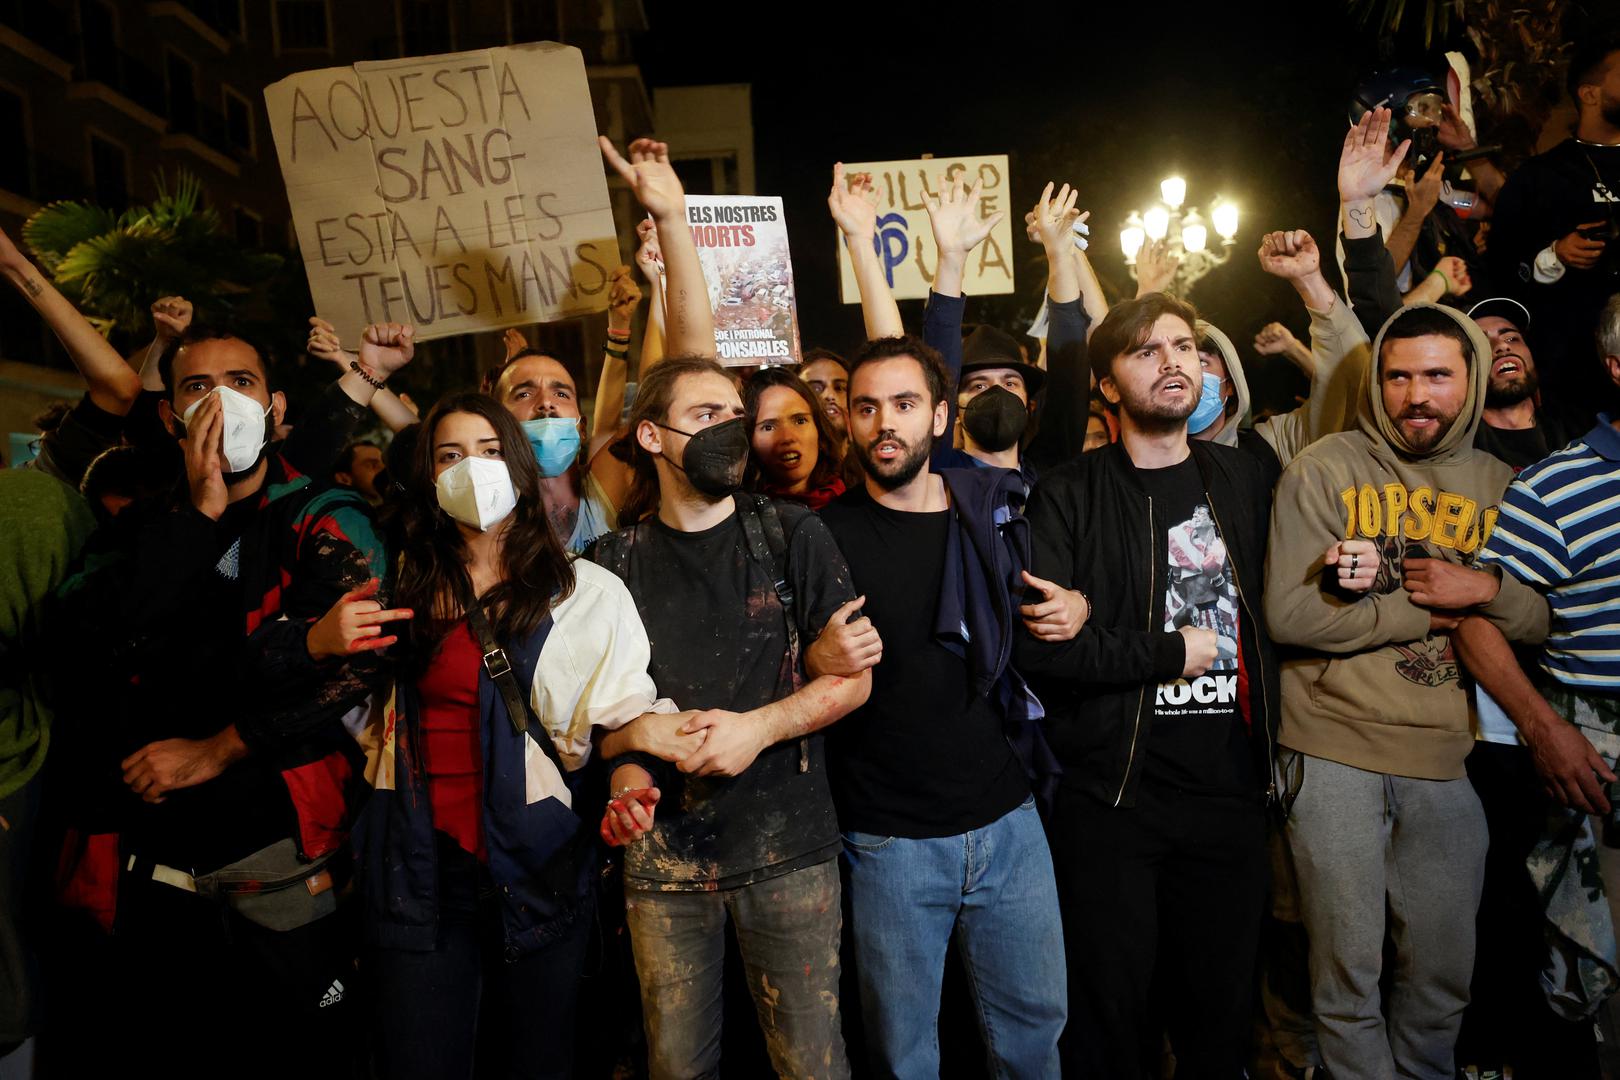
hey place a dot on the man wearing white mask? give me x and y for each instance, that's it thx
(229, 727)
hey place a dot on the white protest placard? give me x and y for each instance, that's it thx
(742, 243)
(904, 242)
(459, 192)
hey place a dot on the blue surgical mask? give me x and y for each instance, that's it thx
(556, 443)
(1210, 405)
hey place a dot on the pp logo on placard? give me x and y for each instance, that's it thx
(891, 242)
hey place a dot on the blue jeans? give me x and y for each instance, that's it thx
(788, 931)
(994, 890)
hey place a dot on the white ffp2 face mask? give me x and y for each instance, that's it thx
(247, 427)
(477, 492)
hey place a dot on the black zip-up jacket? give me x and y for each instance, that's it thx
(1092, 528)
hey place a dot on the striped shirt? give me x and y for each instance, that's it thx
(1559, 532)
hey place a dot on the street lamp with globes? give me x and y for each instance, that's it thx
(1186, 231)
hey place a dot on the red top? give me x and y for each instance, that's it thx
(814, 498)
(450, 746)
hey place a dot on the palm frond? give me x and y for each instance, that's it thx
(54, 229)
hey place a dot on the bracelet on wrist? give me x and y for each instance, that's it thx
(365, 373)
(618, 352)
(1442, 275)
(618, 335)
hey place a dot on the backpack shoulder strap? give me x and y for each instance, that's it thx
(767, 544)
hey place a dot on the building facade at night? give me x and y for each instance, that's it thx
(98, 97)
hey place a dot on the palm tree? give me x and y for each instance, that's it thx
(113, 265)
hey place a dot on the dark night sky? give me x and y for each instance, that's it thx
(1244, 100)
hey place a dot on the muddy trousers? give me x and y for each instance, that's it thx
(788, 931)
(1364, 841)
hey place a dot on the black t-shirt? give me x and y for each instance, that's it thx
(924, 756)
(1198, 741)
(719, 641)
(1518, 447)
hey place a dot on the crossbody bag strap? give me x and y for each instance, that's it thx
(500, 671)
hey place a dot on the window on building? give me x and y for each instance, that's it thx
(180, 75)
(427, 27)
(238, 122)
(98, 36)
(249, 228)
(14, 134)
(302, 25)
(715, 174)
(109, 172)
(224, 15)
(534, 20)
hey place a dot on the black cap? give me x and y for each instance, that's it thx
(1502, 307)
(987, 347)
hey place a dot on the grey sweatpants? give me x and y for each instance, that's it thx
(1361, 840)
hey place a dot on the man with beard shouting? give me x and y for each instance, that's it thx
(1158, 830)
(1516, 425)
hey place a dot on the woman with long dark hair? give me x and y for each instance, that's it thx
(794, 445)
(475, 864)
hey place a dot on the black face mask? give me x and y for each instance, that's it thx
(714, 458)
(996, 419)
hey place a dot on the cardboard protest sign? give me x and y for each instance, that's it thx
(904, 242)
(742, 243)
(459, 192)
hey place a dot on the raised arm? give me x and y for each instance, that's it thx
(1422, 194)
(1364, 168)
(323, 344)
(1092, 299)
(958, 226)
(1275, 339)
(853, 203)
(650, 261)
(113, 384)
(171, 318)
(623, 297)
(652, 178)
(1335, 338)
(1454, 135)
(1053, 223)
(1155, 267)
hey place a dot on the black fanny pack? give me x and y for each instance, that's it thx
(274, 887)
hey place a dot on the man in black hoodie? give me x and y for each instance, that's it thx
(1158, 832)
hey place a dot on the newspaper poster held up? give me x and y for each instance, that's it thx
(904, 240)
(459, 192)
(742, 243)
